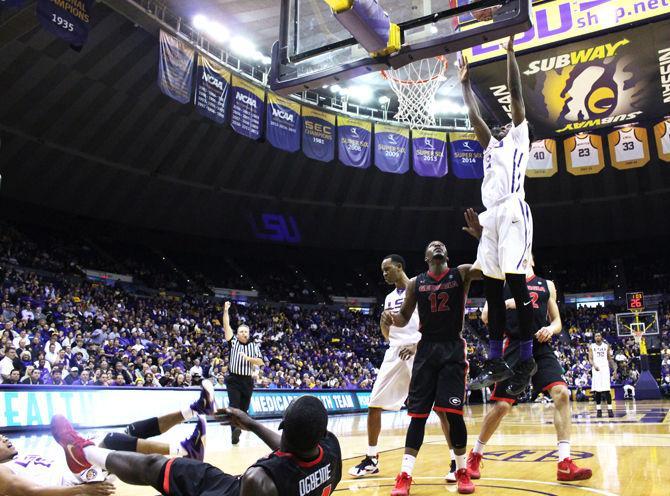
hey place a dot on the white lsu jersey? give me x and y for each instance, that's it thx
(665, 138)
(662, 133)
(541, 155)
(584, 154)
(629, 146)
(402, 336)
(599, 353)
(505, 165)
(46, 472)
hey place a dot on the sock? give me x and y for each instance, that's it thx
(372, 451)
(408, 462)
(460, 461)
(609, 407)
(563, 450)
(187, 413)
(526, 350)
(599, 407)
(97, 456)
(479, 447)
(452, 456)
(495, 348)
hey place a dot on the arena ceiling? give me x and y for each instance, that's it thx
(90, 133)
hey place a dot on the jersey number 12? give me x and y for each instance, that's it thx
(438, 302)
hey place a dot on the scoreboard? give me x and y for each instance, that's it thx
(635, 301)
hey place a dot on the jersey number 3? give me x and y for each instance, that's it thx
(438, 302)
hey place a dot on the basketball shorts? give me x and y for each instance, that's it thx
(507, 239)
(549, 371)
(600, 380)
(392, 384)
(438, 378)
(186, 477)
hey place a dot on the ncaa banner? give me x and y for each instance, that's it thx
(466, 156)
(354, 140)
(562, 20)
(318, 134)
(662, 134)
(391, 148)
(629, 148)
(175, 68)
(67, 19)
(430, 153)
(212, 90)
(283, 123)
(248, 108)
(610, 80)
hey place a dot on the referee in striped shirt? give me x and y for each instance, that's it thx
(244, 355)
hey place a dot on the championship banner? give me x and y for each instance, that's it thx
(662, 134)
(543, 159)
(283, 123)
(318, 134)
(429, 150)
(212, 90)
(248, 108)
(562, 20)
(354, 141)
(611, 80)
(175, 68)
(11, 3)
(391, 148)
(67, 19)
(584, 154)
(629, 148)
(466, 156)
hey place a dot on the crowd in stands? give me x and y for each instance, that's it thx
(60, 328)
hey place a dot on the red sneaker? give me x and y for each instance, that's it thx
(465, 485)
(72, 443)
(568, 471)
(402, 484)
(473, 464)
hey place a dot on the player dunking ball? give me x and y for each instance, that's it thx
(506, 242)
(440, 366)
(548, 378)
(392, 384)
(600, 356)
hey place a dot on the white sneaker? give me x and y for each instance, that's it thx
(368, 466)
(451, 476)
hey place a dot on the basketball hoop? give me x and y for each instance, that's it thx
(637, 335)
(415, 85)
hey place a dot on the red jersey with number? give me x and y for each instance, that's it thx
(441, 302)
(538, 289)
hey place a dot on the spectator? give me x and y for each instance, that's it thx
(33, 378)
(72, 376)
(14, 377)
(7, 364)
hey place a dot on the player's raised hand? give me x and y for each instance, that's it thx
(509, 46)
(226, 306)
(236, 418)
(96, 489)
(473, 227)
(544, 335)
(464, 71)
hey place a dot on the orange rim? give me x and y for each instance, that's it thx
(441, 58)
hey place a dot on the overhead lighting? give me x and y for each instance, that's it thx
(212, 29)
(361, 93)
(448, 107)
(336, 88)
(384, 100)
(242, 46)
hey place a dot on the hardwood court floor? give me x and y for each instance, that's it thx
(629, 455)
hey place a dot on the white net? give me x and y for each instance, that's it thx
(415, 85)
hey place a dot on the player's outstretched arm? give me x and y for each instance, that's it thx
(482, 131)
(401, 318)
(227, 330)
(472, 225)
(239, 419)
(13, 485)
(555, 324)
(255, 482)
(514, 84)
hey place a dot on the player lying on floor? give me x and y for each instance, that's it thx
(306, 458)
(136, 437)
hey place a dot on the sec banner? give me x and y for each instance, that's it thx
(283, 123)
(466, 156)
(248, 108)
(613, 79)
(175, 68)
(67, 19)
(354, 140)
(212, 90)
(430, 153)
(318, 134)
(391, 148)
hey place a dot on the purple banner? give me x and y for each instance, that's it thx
(354, 140)
(175, 68)
(212, 90)
(283, 123)
(466, 156)
(318, 134)
(248, 109)
(67, 19)
(391, 148)
(11, 3)
(430, 153)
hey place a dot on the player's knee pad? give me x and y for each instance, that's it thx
(415, 433)
(458, 432)
(493, 290)
(144, 429)
(117, 441)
